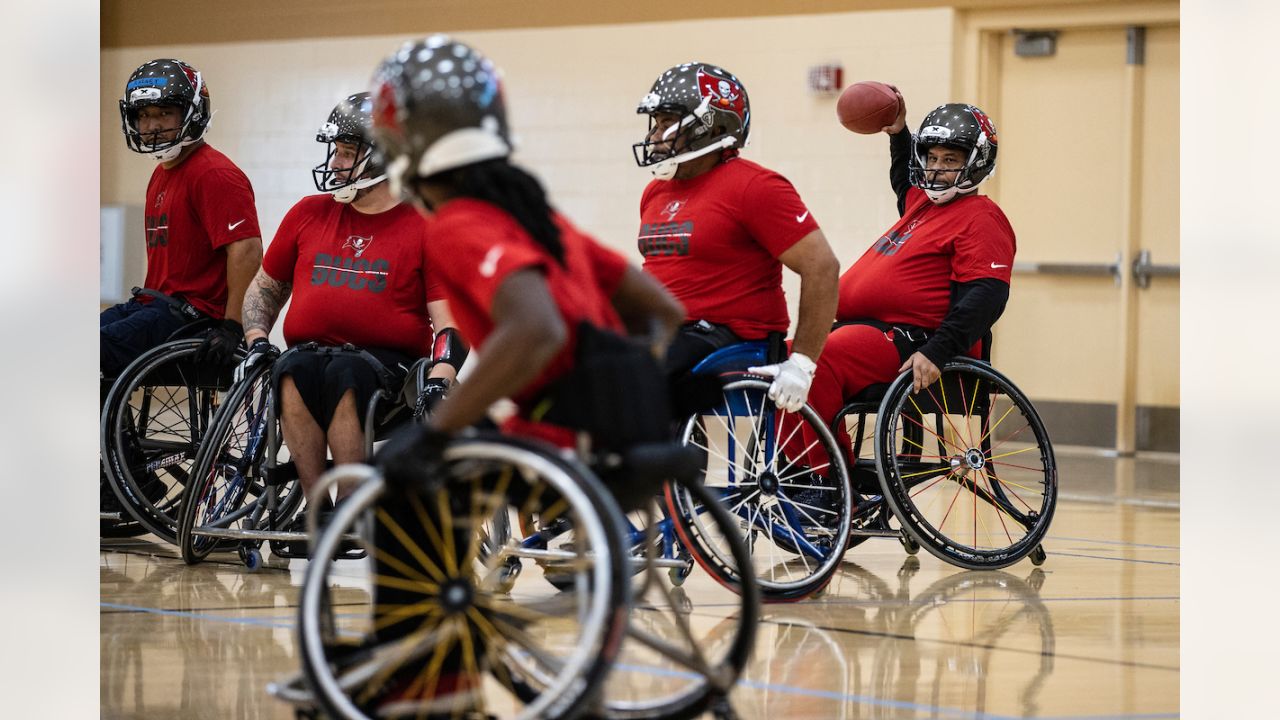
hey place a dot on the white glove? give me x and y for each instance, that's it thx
(259, 352)
(791, 380)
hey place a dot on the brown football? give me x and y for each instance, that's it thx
(866, 107)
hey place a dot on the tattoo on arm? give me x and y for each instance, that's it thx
(263, 302)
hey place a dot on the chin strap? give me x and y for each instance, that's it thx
(666, 169)
(449, 348)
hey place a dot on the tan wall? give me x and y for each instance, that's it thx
(572, 94)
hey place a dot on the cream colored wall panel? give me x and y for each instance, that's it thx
(571, 95)
(1060, 148)
(1158, 343)
(1158, 306)
(1054, 354)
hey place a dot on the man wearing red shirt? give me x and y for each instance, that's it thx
(203, 244)
(933, 285)
(717, 229)
(354, 262)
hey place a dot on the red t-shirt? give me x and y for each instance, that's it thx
(193, 211)
(714, 241)
(475, 246)
(357, 278)
(905, 277)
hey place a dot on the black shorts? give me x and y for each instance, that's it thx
(325, 374)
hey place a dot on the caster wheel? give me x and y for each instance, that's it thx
(908, 543)
(680, 574)
(508, 575)
(251, 557)
(1038, 556)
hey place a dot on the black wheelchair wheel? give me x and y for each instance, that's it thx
(153, 421)
(671, 666)
(227, 474)
(967, 467)
(794, 517)
(449, 613)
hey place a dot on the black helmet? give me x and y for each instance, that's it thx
(437, 105)
(349, 123)
(166, 82)
(714, 115)
(961, 126)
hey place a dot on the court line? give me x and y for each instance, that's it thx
(1113, 542)
(263, 622)
(1114, 559)
(934, 709)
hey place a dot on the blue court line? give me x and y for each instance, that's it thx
(1114, 559)
(1113, 542)
(261, 622)
(933, 710)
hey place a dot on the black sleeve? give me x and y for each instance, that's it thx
(975, 307)
(899, 151)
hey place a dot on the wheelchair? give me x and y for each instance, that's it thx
(794, 519)
(243, 490)
(964, 468)
(588, 627)
(154, 417)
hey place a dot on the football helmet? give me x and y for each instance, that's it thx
(437, 105)
(349, 123)
(165, 82)
(714, 111)
(961, 126)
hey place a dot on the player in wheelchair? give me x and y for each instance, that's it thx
(203, 247)
(549, 310)
(961, 457)
(365, 306)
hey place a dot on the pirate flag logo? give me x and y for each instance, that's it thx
(359, 243)
(724, 94)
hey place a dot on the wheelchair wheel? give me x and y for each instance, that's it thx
(440, 637)
(153, 421)
(227, 475)
(673, 665)
(967, 467)
(793, 516)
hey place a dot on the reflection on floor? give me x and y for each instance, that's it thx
(1092, 633)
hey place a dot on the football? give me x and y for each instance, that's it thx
(866, 107)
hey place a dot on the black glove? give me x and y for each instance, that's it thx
(260, 351)
(433, 391)
(220, 343)
(413, 457)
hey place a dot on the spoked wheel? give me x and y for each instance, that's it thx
(674, 664)
(439, 635)
(228, 471)
(967, 467)
(783, 479)
(153, 422)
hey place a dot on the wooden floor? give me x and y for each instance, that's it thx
(1094, 633)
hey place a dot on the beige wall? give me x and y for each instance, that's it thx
(572, 94)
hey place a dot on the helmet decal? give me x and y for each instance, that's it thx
(724, 94)
(985, 123)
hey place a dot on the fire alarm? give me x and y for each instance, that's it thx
(826, 79)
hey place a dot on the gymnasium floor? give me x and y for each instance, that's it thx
(1094, 633)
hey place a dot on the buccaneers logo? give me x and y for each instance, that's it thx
(358, 243)
(672, 208)
(984, 122)
(725, 94)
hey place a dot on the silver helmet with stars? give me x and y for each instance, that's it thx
(349, 123)
(437, 105)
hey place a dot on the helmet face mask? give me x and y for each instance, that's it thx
(165, 83)
(714, 115)
(348, 125)
(437, 105)
(964, 128)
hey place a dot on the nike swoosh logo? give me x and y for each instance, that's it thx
(800, 218)
(234, 225)
(489, 265)
(994, 266)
